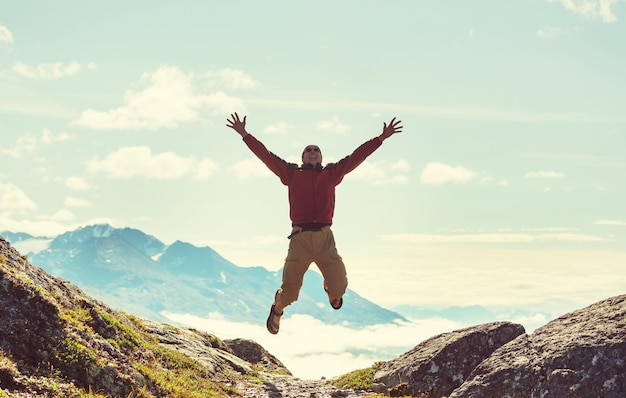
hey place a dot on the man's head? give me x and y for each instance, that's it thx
(312, 155)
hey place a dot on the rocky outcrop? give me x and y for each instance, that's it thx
(580, 354)
(439, 365)
(255, 354)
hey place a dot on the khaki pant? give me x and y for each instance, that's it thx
(305, 248)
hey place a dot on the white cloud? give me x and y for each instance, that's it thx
(436, 173)
(140, 162)
(5, 35)
(549, 32)
(205, 169)
(368, 171)
(220, 103)
(63, 216)
(13, 198)
(549, 229)
(492, 180)
(47, 137)
(333, 125)
(251, 167)
(24, 144)
(232, 78)
(544, 174)
(382, 172)
(277, 128)
(490, 238)
(28, 143)
(51, 226)
(591, 9)
(401, 166)
(77, 183)
(76, 202)
(35, 245)
(620, 223)
(165, 99)
(35, 227)
(569, 238)
(49, 71)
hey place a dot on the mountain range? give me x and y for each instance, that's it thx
(137, 273)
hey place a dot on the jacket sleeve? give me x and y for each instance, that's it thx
(350, 162)
(277, 165)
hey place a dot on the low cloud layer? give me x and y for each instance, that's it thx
(311, 349)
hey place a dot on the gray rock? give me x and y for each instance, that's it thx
(442, 363)
(255, 354)
(380, 388)
(580, 354)
(201, 346)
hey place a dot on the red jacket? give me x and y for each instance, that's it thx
(311, 189)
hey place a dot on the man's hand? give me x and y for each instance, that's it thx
(237, 124)
(390, 129)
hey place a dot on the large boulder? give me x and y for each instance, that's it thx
(437, 366)
(580, 354)
(254, 353)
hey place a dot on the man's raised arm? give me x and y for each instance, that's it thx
(276, 164)
(349, 163)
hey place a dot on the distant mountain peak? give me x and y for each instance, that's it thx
(98, 230)
(87, 232)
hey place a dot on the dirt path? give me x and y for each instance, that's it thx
(290, 387)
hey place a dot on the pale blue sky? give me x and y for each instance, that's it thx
(505, 189)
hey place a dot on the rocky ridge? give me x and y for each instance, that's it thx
(55, 341)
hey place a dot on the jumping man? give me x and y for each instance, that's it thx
(311, 207)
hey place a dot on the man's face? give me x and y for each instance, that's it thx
(312, 155)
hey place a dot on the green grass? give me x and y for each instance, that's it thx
(361, 379)
(181, 376)
(167, 372)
